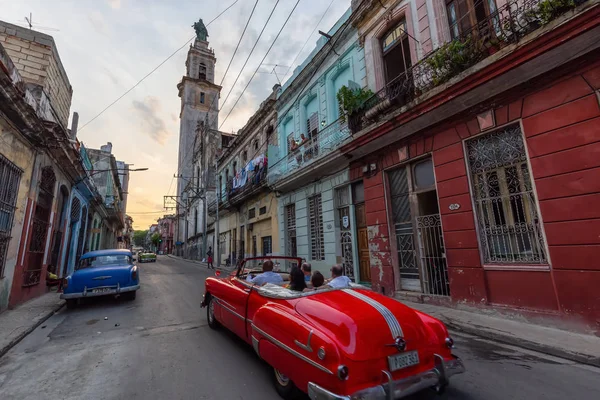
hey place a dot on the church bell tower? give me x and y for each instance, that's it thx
(199, 104)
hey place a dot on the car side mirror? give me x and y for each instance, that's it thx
(217, 273)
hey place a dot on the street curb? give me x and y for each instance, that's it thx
(523, 343)
(22, 335)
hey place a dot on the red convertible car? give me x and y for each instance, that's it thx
(348, 343)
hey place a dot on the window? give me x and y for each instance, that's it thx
(290, 225)
(396, 51)
(312, 125)
(234, 168)
(262, 210)
(505, 205)
(315, 212)
(201, 97)
(266, 246)
(423, 174)
(195, 221)
(463, 15)
(202, 71)
(252, 213)
(11, 176)
(256, 144)
(254, 249)
(244, 156)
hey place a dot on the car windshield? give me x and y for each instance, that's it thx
(283, 265)
(102, 261)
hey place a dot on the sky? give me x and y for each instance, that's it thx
(107, 46)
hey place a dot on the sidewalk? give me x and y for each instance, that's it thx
(202, 264)
(577, 347)
(17, 323)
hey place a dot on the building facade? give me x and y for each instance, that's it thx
(480, 171)
(166, 228)
(306, 168)
(247, 219)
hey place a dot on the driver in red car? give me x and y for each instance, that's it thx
(267, 276)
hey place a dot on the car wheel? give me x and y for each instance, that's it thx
(71, 303)
(284, 386)
(130, 295)
(210, 314)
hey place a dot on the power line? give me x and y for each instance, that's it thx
(251, 51)
(192, 148)
(266, 54)
(308, 38)
(151, 72)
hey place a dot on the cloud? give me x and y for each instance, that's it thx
(153, 125)
(114, 4)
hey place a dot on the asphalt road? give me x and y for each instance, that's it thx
(160, 347)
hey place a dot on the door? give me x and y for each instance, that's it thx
(402, 218)
(233, 306)
(364, 262)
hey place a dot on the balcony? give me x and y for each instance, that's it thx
(505, 27)
(320, 145)
(237, 192)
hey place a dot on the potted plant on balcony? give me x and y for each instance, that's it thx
(350, 101)
(452, 58)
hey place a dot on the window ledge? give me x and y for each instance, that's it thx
(516, 267)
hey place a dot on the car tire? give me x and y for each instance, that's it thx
(71, 304)
(210, 315)
(285, 387)
(130, 295)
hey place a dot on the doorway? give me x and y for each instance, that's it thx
(364, 260)
(418, 230)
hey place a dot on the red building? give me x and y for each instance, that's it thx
(166, 228)
(482, 176)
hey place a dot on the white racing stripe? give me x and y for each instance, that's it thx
(393, 324)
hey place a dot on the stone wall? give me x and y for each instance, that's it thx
(37, 60)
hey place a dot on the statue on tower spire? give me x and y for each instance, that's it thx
(201, 31)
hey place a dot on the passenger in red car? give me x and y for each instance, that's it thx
(338, 280)
(297, 282)
(267, 276)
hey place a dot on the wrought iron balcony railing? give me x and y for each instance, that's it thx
(506, 26)
(322, 143)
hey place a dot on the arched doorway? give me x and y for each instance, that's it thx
(75, 216)
(39, 229)
(59, 231)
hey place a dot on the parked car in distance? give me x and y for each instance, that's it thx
(102, 273)
(336, 344)
(147, 256)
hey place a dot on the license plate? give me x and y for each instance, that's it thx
(101, 290)
(405, 360)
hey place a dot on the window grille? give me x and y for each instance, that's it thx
(290, 222)
(509, 227)
(262, 210)
(251, 213)
(267, 247)
(10, 176)
(315, 213)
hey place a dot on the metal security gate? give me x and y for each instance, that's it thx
(290, 225)
(10, 176)
(432, 254)
(403, 226)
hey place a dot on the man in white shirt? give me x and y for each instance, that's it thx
(338, 280)
(267, 276)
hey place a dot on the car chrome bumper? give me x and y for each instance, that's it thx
(89, 292)
(392, 390)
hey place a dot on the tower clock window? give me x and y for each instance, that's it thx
(202, 71)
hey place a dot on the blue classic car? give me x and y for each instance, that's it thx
(102, 273)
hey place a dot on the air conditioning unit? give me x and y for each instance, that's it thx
(250, 227)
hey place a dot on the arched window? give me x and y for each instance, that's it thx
(396, 51)
(202, 71)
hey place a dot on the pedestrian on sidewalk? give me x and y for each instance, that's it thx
(209, 258)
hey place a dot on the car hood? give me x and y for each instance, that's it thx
(100, 276)
(362, 322)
